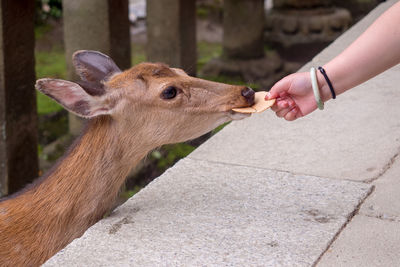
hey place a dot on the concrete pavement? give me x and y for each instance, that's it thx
(265, 192)
(201, 213)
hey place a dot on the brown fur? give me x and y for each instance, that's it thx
(48, 215)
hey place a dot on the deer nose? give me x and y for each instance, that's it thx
(248, 93)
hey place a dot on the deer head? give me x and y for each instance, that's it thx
(166, 103)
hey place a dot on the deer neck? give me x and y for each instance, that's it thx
(75, 195)
(93, 172)
(86, 183)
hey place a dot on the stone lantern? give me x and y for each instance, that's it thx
(294, 23)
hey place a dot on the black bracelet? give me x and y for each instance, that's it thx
(323, 72)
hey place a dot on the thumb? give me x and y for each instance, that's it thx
(280, 88)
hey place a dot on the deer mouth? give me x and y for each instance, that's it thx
(248, 95)
(237, 115)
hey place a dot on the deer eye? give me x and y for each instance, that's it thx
(169, 93)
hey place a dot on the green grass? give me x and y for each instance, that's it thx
(127, 194)
(49, 64)
(41, 30)
(138, 54)
(46, 105)
(207, 51)
(219, 128)
(202, 12)
(170, 154)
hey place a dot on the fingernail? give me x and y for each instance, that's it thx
(268, 95)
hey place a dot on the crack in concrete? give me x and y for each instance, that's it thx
(349, 218)
(275, 170)
(383, 217)
(385, 168)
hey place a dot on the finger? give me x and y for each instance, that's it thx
(283, 94)
(268, 96)
(280, 104)
(281, 86)
(282, 113)
(292, 114)
(299, 114)
(284, 103)
(291, 102)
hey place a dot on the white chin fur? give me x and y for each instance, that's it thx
(229, 116)
(239, 116)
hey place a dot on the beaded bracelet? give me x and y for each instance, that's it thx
(315, 87)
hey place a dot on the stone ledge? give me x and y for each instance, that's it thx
(202, 213)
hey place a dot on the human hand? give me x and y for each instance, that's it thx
(294, 96)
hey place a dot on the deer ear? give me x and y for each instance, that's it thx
(73, 97)
(93, 66)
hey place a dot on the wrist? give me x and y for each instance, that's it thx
(337, 71)
(324, 90)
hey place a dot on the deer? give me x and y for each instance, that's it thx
(129, 113)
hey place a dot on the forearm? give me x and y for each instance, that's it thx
(375, 51)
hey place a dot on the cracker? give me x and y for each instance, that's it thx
(260, 104)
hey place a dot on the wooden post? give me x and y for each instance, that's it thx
(101, 25)
(171, 33)
(243, 29)
(18, 116)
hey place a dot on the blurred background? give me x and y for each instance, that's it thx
(252, 42)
